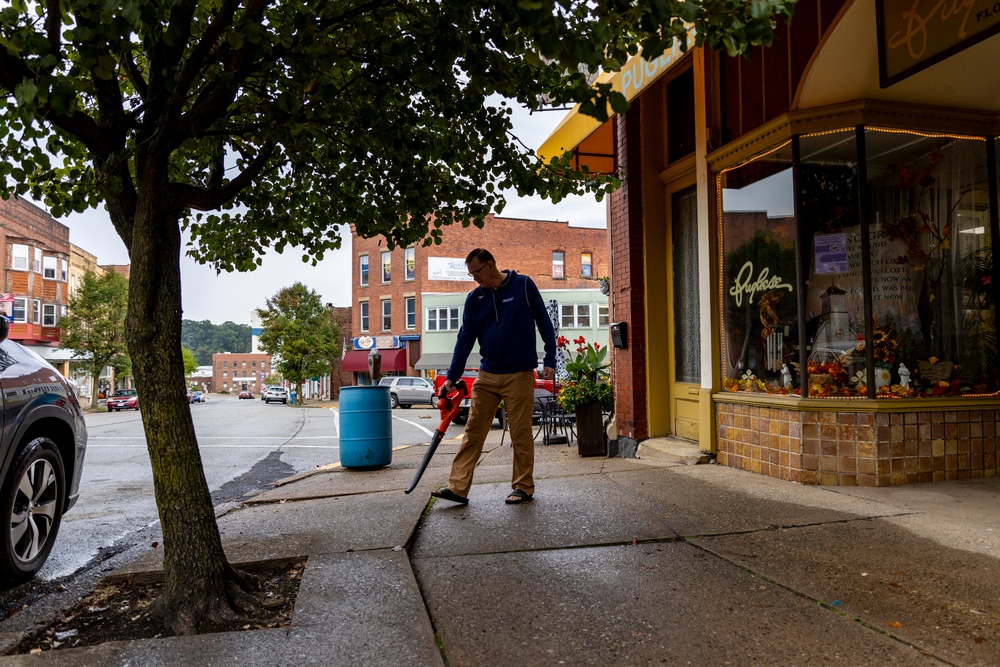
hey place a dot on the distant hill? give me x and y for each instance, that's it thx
(205, 338)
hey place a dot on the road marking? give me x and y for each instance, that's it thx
(405, 421)
(262, 446)
(220, 437)
(420, 426)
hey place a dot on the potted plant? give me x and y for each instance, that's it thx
(605, 284)
(588, 393)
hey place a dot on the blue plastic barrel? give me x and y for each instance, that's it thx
(365, 427)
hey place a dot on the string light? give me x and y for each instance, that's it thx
(926, 135)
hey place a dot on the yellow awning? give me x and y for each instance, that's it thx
(592, 142)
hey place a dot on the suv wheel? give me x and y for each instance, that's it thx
(31, 507)
(393, 401)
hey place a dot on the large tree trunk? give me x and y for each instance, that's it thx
(200, 586)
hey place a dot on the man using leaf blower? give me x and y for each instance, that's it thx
(501, 313)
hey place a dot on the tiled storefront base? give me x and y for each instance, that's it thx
(858, 448)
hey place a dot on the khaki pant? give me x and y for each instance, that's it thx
(517, 391)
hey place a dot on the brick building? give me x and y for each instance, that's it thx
(36, 271)
(338, 376)
(36, 252)
(230, 371)
(389, 287)
(80, 262)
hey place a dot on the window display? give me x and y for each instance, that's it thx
(831, 218)
(932, 268)
(760, 313)
(929, 329)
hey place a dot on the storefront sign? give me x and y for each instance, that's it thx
(915, 34)
(381, 342)
(743, 285)
(892, 282)
(638, 73)
(447, 268)
(831, 253)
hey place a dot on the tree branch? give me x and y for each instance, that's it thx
(106, 90)
(134, 75)
(14, 71)
(199, 54)
(53, 26)
(208, 199)
(215, 98)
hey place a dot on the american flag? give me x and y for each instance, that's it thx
(6, 297)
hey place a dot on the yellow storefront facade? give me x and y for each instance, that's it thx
(801, 246)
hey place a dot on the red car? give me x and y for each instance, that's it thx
(124, 399)
(246, 393)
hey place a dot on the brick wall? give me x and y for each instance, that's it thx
(25, 224)
(339, 377)
(628, 285)
(523, 245)
(225, 364)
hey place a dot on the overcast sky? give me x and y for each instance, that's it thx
(234, 296)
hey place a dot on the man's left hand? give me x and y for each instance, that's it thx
(548, 373)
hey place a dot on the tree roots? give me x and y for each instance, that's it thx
(196, 610)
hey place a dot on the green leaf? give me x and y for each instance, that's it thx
(25, 93)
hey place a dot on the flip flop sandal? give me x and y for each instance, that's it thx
(448, 494)
(516, 497)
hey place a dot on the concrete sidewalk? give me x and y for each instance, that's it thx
(616, 562)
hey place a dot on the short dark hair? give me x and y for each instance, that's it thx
(482, 254)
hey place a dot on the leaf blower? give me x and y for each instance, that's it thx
(449, 407)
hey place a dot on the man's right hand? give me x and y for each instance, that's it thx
(449, 386)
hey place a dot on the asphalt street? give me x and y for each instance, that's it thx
(245, 444)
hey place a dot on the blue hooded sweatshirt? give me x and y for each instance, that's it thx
(503, 320)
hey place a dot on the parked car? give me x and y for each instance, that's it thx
(263, 392)
(41, 458)
(124, 399)
(405, 391)
(276, 394)
(198, 397)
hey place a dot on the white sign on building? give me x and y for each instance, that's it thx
(447, 268)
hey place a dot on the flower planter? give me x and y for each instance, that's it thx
(590, 435)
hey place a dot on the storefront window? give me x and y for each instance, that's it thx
(931, 265)
(831, 224)
(760, 314)
(932, 315)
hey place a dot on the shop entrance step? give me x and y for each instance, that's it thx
(673, 450)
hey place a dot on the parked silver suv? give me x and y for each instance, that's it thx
(405, 391)
(41, 457)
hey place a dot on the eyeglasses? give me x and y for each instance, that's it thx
(473, 274)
